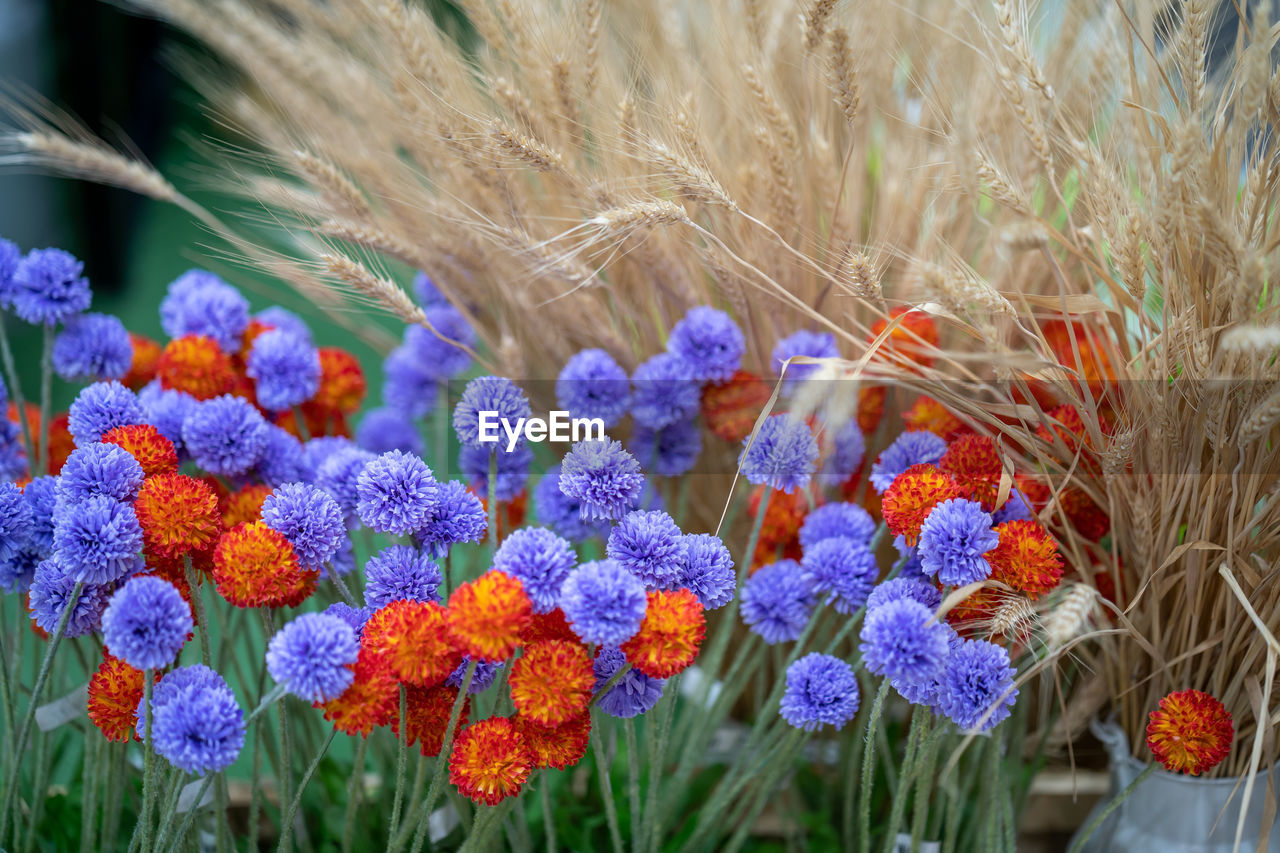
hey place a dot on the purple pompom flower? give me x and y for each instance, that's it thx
(395, 493)
(167, 409)
(10, 257)
(976, 688)
(900, 641)
(909, 448)
(99, 469)
(562, 513)
(456, 516)
(398, 573)
(426, 292)
(540, 560)
(41, 495)
(603, 477)
(276, 317)
(51, 588)
(100, 408)
(355, 617)
(844, 570)
(386, 429)
(781, 455)
(650, 546)
(312, 656)
(282, 459)
(201, 303)
(777, 602)
(98, 540)
(892, 590)
(16, 522)
(513, 470)
(806, 343)
(441, 351)
(484, 676)
(146, 623)
(13, 456)
(196, 725)
(836, 519)
(953, 539)
(664, 393)
(309, 518)
(603, 603)
(667, 452)
(49, 287)
(592, 385)
(339, 473)
(1014, 509)
(496, 399)
(634, 694)
(707, 570)
(708, 343)
(225, 435)
(92, 347)
(848, 447)
(285, 369)
(407, 385)
(821, 691)
(18, 571)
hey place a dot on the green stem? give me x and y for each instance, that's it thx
(286, 832)
(170, 807)
(1089, 830)
(303, 432)
(193, 581)
(915, 737)
(89, 778)
(491, 507)
(446, 748)
(657, 755)
(402, 760)
(46, 397)
(148, 761)
(633, 781)
(341, 584)
(868, 768)
(606, 786)
(355, 789)
(190, 817)
(15, 390)
(609, 685)
(402, 832)
(924, 783)
(548, 818)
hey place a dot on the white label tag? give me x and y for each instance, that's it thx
(59, 712)
(442, 822)
(902, 844)
(186, 799)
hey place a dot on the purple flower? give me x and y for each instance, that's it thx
(442, 350)
(499, 399)
(99, 469)
(561, 513)
(708, 343)
(275, 317)
(13, 456)
(976, 688)
(100, 408)
(312, 656)
(848, 447)
(339, 473)
(603, 603)
(664, 393)
(309, 518)
(282, 459)
(51, 589)
(41, 496)
(909, 448)
(1014, 509)
(285, 369)
(603, 477)
(426, 292)
(650, 546)
(98, 540)
(484, 676)
(167, 409)
(49, 287)
(196, 724)
(146, 623)
(667, 452)
(17, 572)
(386, 429)
(201, 303)
(836, 519)
(806, 343)
(955, 535)
(842, 569)
(634, 694)
(225, 435)
(707, 570)
(318, 449)
(781, 455)
(821, 691)
(897, 588)
(540, 560)
(408, 385)
(900, 642)
(395, 493)
(777, 601)
(92, 347)
(592, 385)
(513, 470)
(456, 516)
(10, 257)
(400, 573)
(16, 523)
(353, 617)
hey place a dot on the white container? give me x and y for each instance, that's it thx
(1174, 813)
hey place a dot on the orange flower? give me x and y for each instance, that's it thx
(1190, 732)
(1036, 492)
(342, 384)
(412, 638)
(556, 747)
(250, 334)
(154, 452)
(1089, 519)
(913, 339)
(1066, 429)
(60, 441)
(244, 505)
(927, 414)
(146, 355)
(254, 566)
(871, 407)
(195, 364)
(510, 513)
(781, 527)
(490, 761)
(114, 693)
(1094, 365)
(730, 409)
(487, 615)
(427, 711)
(974, 463)
(371, 700)
(667, 642)
(912, 496)
(548, 626)
(1026, 558)
(552, 681)
(178, 514)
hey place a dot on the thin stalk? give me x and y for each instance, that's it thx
(548, 818)
(190, 817)
(6, 695)
(355, 788)
(402, 831)
(20, 744)
(633, 781)
(437, 778)
(113, 773)
(657, 755)
(170, 807)
(303, 432)
(46, 397)
(193, 581)
(15, 389)
(609, 685)
(286, 832)
(924, 784)
(1089, 830)
(341, 584)
(915, 737)
(89, 777)
(868, 768)
(606, 786)
(148, 761)
(402, 760)
(491, 506)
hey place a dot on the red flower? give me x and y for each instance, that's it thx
(244, 505)
(974, 463)
(871, 407)
(487, 616)
(730, 409)
(782, 522)
(559, 746)
(412, 638)
(1026, 558)
(427, 711)
(115, 691)
(548, 626)
(195, 364)
(1190, 732)
(667, 642)
(254, 566)
(912, 496)
(490, 761)
(371, 700)
(552, 682)
(146, 356)
(342, 384)
(1089, 519)
(927, 414)
(178, 514)
(154, 452)
(913, 339)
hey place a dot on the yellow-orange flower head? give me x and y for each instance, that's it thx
(912, 496)
(178, 515)
(668, 640)
(411, 637)
(487, 616)
(490, 761)
(254, 566)
(551, 682)
(1190, 732)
